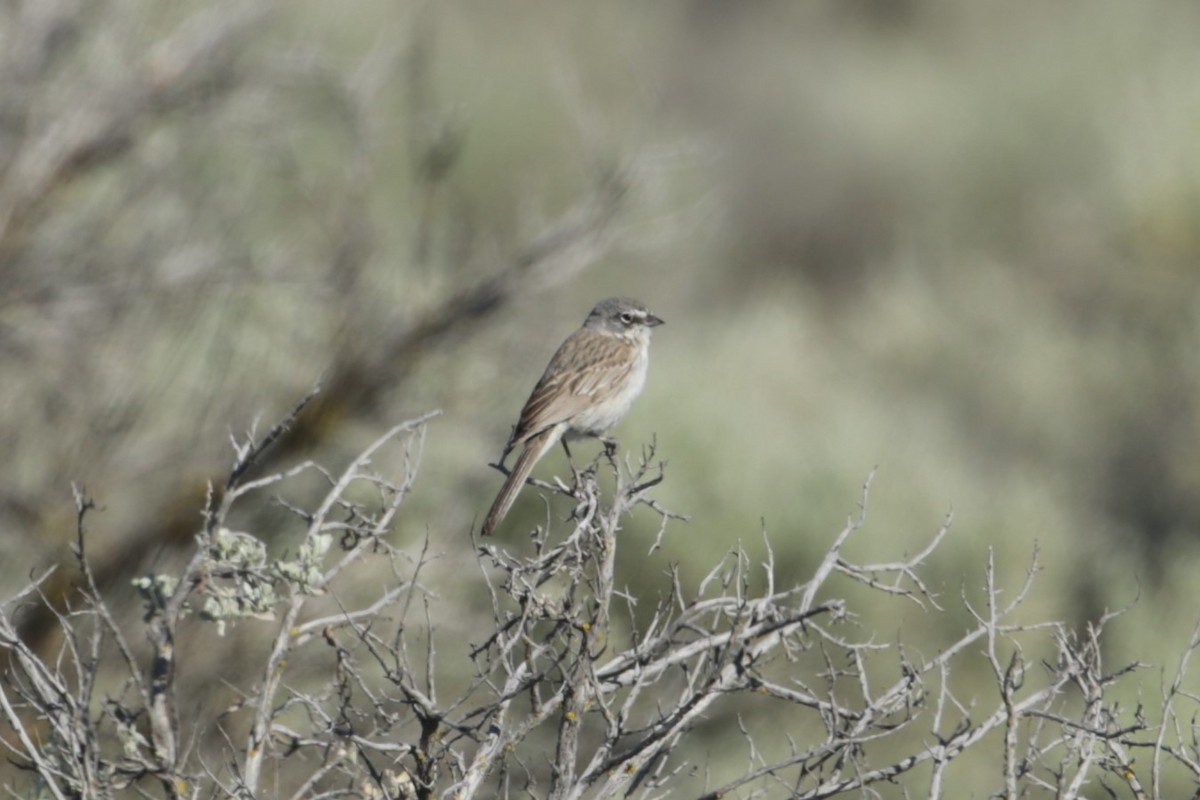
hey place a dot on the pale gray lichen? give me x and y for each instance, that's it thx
(304, 571)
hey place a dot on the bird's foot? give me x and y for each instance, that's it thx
(499, 463)
(577, 479)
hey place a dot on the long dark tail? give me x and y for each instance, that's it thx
(535, 448)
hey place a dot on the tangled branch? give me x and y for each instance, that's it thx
(578, 686)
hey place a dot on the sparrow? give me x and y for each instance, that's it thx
(589, 385)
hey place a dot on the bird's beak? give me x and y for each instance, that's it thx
(653, 321)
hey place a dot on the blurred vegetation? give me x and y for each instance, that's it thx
(956, 241)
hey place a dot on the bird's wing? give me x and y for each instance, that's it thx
(586, 365)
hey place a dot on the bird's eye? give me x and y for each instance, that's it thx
(627, 318)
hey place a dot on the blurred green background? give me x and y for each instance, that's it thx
(957, 241)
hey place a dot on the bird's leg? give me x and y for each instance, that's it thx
(508, 448)
(500, 461)
(610, 446)
(571, 463)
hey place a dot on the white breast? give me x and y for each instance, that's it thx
(605, 412)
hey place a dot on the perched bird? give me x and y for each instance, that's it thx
(590, 383)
